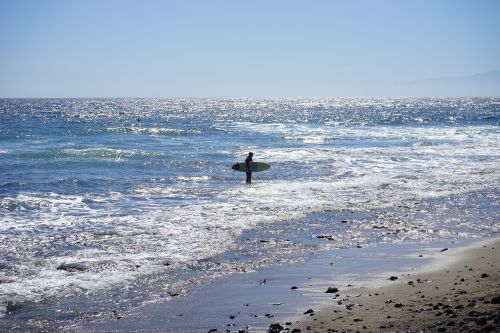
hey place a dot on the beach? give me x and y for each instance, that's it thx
(236, 166)
(461, 296)
(125, 214)
(410, 288)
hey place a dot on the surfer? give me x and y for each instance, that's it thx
(248, 160)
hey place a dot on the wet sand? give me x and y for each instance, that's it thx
(435, 291)
(462, 295)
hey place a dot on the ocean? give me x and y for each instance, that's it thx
(109, 204)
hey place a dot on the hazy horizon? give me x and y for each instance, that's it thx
(227, 49)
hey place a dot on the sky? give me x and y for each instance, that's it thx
(260, 48)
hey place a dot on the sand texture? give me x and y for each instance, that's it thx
(461, 296)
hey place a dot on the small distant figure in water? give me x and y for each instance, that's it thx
(248, 160)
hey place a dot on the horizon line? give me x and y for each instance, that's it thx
(252, 97)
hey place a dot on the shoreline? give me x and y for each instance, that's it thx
(253, 302)
(462, 295)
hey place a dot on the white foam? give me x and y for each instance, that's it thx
(177, 224)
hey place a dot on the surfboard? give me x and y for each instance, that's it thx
(254, 166)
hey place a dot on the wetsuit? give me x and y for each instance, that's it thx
(248, 160)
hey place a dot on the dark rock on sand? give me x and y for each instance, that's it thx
(275, 328)
(310, 311)
(445, 249)
(485, 275)
(332, 290)
(72, 267)
(495, 300)
(294, 287)
(393, 278)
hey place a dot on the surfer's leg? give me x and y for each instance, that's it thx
(249, 177)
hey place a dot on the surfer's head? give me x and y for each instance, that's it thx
(250, 154)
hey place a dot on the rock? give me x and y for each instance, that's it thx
(212, 330)
(448, 312)
(485, 275)
(72, 267)
(488, 328)
(495, 300)
(398, 305)
(393, 278)
(445, 249)
(331, 290)
(275, 328)
(327, 237)
(294, 287)
(296, 330)
(12, 306)
(481, 321)
(310, 311)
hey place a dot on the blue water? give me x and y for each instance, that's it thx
(140, 192)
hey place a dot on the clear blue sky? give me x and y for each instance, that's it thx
(231, 48)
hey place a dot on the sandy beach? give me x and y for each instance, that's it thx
(446, 286)
(460, 296)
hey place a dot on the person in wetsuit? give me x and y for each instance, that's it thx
(248, 160)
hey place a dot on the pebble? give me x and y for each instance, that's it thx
(331, 290)
(275, 328)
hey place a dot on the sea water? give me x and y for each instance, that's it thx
(138, 196)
